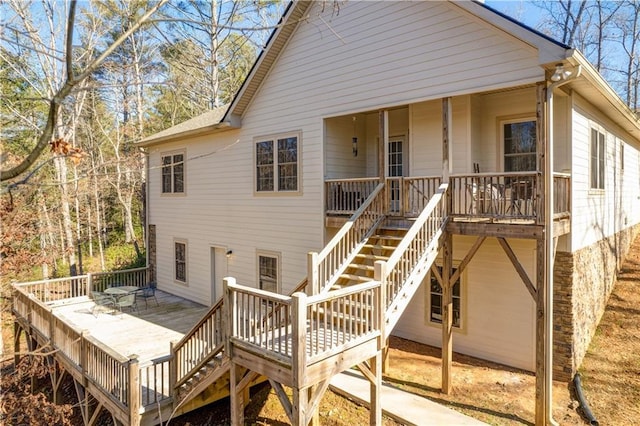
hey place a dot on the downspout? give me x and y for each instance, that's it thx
(146, 213)
(559, 78)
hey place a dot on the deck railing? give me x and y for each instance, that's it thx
(325, 267)
(115, 376)
(496, 195)
(326, 324)
(561, 194)
(138, 277)
(155, 385)
(408, 196)
(417, 249)
(341, 319)
(509, 196)
(202, 344)
(345, 196)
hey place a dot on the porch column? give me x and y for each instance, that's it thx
(383, 119)
(447, 129)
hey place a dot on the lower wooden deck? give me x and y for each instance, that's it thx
(145, 332)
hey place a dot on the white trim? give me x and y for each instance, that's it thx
(172, 153)
(274, 255)
(274, 139)
(186, 261)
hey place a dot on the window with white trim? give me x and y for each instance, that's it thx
(268, 272)
(435, 299)
(519, 145)
(277, 163)
(173, 173)
(180, 256)
(597, 154)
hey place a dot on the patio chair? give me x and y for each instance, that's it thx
(127, 301)
(148, 292)
(102, 301)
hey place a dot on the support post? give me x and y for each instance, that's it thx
(17, 329)
(134, 391)
(381, 143)
(237, 411)
(447, 315)
(447, 129)
(540, 333)
(312, 272)
(375, 390)
(173, 369)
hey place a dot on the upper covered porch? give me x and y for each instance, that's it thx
(488, 146)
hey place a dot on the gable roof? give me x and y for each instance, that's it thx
(203, 123)
(551, 52)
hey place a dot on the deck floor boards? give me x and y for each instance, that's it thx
(145, 332)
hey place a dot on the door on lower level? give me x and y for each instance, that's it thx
(218, 272)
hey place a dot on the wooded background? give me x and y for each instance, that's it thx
(83, 81)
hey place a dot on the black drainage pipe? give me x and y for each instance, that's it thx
(584, 406)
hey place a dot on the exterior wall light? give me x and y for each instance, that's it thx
(560, 73)
(229, 253)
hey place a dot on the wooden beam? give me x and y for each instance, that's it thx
(516, 264)
(375, 390)
(447, 133)
(505, 230)
(447, 314)
(284, 399)
(235, 397)
(366, 371)
(316, 393)
(381, 143)
(540, 337)
(472, 251)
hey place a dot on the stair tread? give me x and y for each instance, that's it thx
(372, 256)
(356, 277)
(361, 266)
(379, 246)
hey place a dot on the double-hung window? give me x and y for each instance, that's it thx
(173, 173)
(180, 250)
(519, 145)
(598, 150)
(268, 268)
(277, 163)
(435, 300)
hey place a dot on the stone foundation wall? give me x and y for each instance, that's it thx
(583, 281)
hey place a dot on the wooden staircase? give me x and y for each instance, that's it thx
(378, 247)
(361, 282)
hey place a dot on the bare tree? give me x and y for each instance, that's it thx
(23, 33)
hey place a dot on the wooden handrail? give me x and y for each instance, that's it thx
(343, 247)
(418, 247)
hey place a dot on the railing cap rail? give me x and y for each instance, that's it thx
(47, 281)
(276, 297)
(365, 179)
(124, 271)
(494, 174)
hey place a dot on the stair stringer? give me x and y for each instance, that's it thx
(412, 283)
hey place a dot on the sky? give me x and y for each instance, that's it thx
(523, 11)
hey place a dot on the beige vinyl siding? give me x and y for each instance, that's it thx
(221, 210)
(389, 53)
(600, 214)
(499, 322)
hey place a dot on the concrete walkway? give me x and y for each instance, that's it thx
(401, 406)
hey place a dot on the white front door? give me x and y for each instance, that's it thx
(218, 272)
